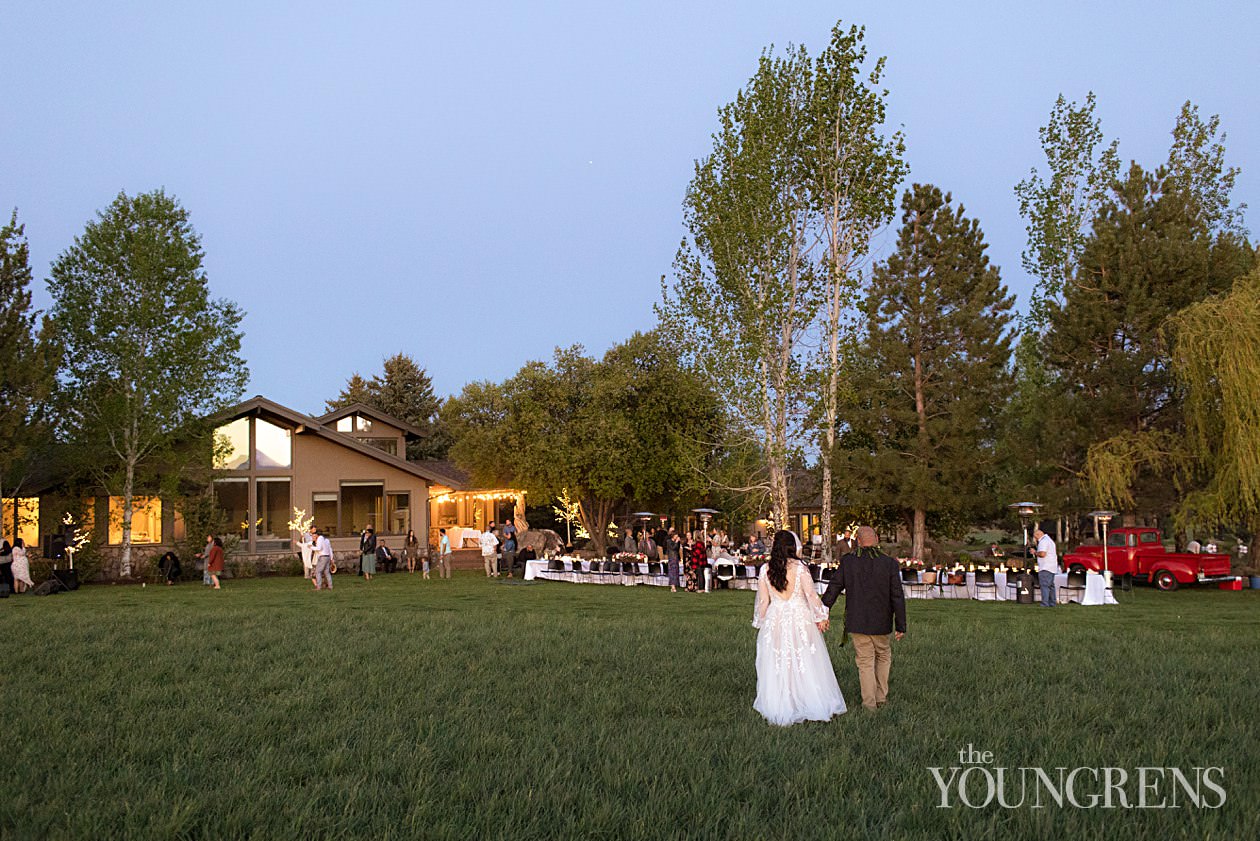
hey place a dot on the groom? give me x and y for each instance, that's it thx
(874, 603)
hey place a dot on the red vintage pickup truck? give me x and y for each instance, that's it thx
(1140, 552)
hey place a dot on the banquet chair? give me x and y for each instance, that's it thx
(555, 570)
(1075, 584)
(597, 572)
(577, 576)
(815, 572)
(915, 589)
(656, 571)
(629, 572)
(745, 575)
(986, 582)
(952, 591)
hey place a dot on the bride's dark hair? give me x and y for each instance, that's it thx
(784, 548)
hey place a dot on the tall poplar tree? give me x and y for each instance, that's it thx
(937, 350)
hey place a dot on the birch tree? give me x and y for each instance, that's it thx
(146, 352)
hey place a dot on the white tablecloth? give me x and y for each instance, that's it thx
(457, 535)
(1096, 592)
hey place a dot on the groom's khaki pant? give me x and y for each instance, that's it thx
(874, 658)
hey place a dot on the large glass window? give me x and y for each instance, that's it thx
(345, 424)
(362, 424)
(233, 498)
(25, 510)
(274, 509)
(231, 445)
(324, 510)
(273, 445)
(398, 513)
(362, 505)
(146, 519)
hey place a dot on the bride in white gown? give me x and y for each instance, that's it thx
(795, 681)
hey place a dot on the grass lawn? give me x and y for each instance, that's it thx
(475, 709)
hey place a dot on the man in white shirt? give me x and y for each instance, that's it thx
(489, 550)
(1047, 567)
(323, 562)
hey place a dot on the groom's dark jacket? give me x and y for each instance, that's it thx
(874, 599)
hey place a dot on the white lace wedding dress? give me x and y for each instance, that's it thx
(795, 681)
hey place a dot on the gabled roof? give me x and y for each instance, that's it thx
(375, 414)
(304, 424)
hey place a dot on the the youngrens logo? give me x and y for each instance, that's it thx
(975, 783)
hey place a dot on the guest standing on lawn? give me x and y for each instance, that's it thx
(489, 550)
(444, 555)
(673, 552)
(367, 553)
(509, 548)
(411, 548)
(214, 561)
(21, 567)
(323, 562)
(696, 564)
(1047, 567)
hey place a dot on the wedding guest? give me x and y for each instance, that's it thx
(874, 606)
(214, 561)
(698, 562)
(508, 559)
(21, 568)
(6, 569)
(673, 552)
(323, 562)
(1047, 567)
(367, 553)
(169, 565)
(204, 557)
(308, 552)
(489, 549)
(411, 548)
(384, 557)
(756, 546)
(444, 555)
(646, 546)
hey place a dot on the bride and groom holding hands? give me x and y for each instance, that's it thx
(795, 680)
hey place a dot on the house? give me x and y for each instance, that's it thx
(348, 469)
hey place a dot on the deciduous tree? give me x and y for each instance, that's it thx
(147, 353)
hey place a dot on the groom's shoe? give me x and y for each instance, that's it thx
(881, 705)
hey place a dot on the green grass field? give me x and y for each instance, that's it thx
(476, 709)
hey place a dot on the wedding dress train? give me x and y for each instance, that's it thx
(795, 680)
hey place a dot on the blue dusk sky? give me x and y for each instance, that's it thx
(475, 183)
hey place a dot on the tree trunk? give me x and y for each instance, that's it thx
(918, 534)
(595, 515)
(128, 496)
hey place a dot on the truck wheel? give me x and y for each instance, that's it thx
(1165, 580)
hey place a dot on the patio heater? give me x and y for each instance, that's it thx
(1026, 511)
(1104, 517)
(643, 517)
(705, 514)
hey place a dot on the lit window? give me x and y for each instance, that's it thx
(272, 504)
(361, 506)
(231, 445)
(362, 424)
(273, 445)
(345, 424)
(398, 509)
(146, 519)
(26, 510)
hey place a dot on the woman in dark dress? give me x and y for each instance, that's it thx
(673, 552)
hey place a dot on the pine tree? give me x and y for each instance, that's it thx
(25, 373)
(405, 391)
(935, 376)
